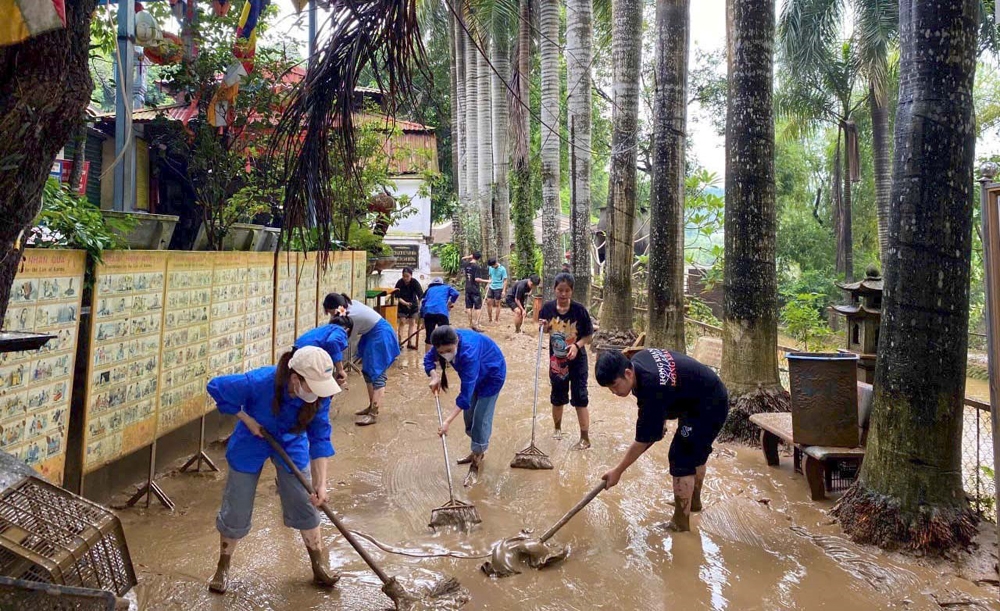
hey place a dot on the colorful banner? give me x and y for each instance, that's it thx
(35, 386)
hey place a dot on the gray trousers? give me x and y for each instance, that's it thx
(235, 514)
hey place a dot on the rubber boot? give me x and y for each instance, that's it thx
(464, 461)
(474, 468)
(365, 411)
(220, 581)
(323, 576)
(367, 419)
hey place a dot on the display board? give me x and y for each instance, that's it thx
(258, 340)
(284, 311)
(336, 278)
(227, 332)
(184, 355)
(307, 296)
(359, 282)
(126, 336)
(36, 385)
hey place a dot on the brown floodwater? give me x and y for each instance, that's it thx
(760, 542)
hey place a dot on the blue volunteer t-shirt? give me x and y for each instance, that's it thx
(497, 276)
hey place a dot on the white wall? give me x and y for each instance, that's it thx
(419, 223)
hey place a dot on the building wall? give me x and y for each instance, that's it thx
(141, 199)
(414, 230)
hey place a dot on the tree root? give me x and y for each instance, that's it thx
(738, 427)
(869, 517)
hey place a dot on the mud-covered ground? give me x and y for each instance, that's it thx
(760, 543)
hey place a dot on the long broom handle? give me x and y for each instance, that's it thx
(538, 361)
(326, 509)
(572, 512)
(444, 446)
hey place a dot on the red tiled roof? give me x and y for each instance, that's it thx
(172, 112)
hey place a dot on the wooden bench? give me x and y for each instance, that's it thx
(813, 461)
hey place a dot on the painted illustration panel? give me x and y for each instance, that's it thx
(285, 309)
(258, 341)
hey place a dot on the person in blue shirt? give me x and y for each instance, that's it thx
(439, 299)
(291, 401)
(333, 338)
(482, 369)
(378, 349)
(498, 287)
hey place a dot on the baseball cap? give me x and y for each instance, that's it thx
(316, 368)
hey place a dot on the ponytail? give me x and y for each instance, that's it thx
(444, 372)
(281, 378)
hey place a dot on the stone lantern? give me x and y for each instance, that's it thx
(863, 313)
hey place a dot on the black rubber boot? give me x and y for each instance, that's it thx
(220, 581)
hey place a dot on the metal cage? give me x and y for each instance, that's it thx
(19, 594)
(50, 535)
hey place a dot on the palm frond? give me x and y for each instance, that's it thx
(877, 33)
(805, 29)
(378, 37)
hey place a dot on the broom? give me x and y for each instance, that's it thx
(452, 513)
(531, 457)
(446, 590)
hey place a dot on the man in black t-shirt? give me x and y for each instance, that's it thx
(570, 330)
(669, 385)
(516, 297)
(408, 296)
(476, 275)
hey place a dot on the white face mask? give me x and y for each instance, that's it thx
(448, 356)
(307, 396)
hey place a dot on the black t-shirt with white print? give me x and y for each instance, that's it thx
(564, 330)
(669, 385)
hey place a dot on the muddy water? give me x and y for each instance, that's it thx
(759, 544)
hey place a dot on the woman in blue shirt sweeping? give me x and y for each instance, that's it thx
(482, 369)
(333, 338)
(439, 299)
(378, 348)
(292, 402)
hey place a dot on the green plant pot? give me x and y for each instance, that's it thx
(151, 231)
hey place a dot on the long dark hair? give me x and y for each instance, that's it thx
(332, 301)
(444, 335)
(281, 378)
(344, 322)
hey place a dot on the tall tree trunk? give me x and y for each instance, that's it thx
(501, 152)
(44, 89)
(472, 136)
(879, 107)
(484, 112)
(838, 204)
(666, 224)
(458, 132)
(909, 493)
(552, 252)
(579, 52)
(846, 228)
(522, 209)
(626, 55)
(750, 306)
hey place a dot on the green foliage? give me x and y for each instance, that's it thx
(704, 217)
(799, 316)
(451, 258)
(68, 220)
(699, 310)
(534, 267)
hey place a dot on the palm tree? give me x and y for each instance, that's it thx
(666, 225)
(472, 126)
(458, 107)
(522, 210)
(809, 31)
(579, 51)
(484, 114)
(626, 54)
(552, 254)
(750, 278)
(502, 32)
(909, 493)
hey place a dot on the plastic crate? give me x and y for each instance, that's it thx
(51, 535)
(20, 594)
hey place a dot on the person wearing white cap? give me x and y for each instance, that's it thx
(291, 401)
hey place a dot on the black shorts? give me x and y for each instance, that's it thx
(495, 294)
(433, 321)
(510, 303)
(408, 311)
(572, 387)
(473, 301)
(692, 443)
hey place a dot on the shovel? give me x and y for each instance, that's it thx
(452, 513)
(531, 457)
(448, 588)
(523, 547)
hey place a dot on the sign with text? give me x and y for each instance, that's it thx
(407, 255)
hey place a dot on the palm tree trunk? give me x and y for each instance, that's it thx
(838, 205)
(846, 233)
(579, 51)
(501, 152)
(909, 493)
(750, 308)
(552, 253)
(626, 55)
(879, 107)
(666, 225)
(522, 209)
(484, 112)
(458, 132)
(472, 136)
